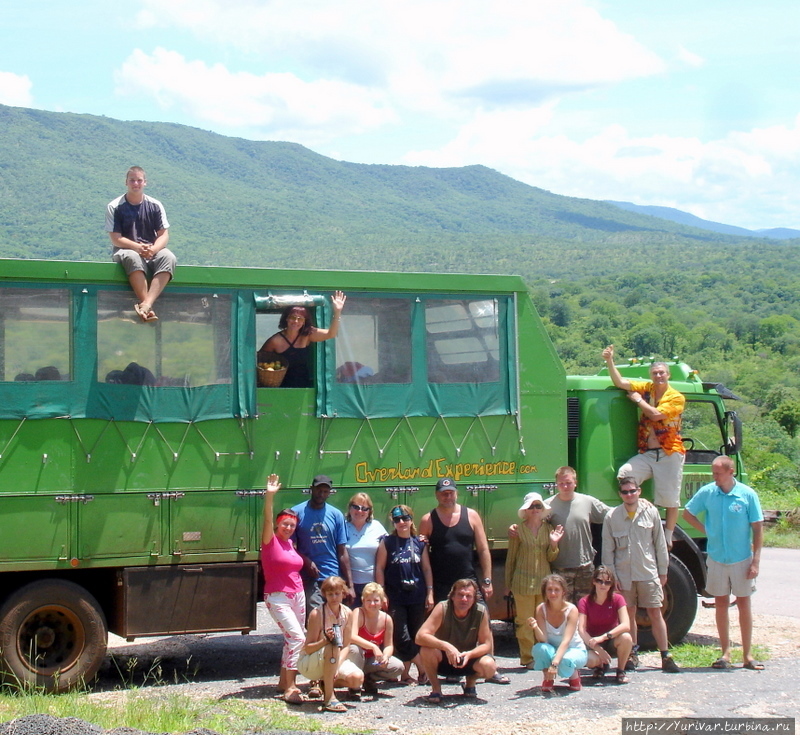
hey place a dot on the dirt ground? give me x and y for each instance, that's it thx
(246, 667)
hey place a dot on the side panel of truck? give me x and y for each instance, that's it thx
(114, 494)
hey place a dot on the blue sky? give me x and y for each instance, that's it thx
(693, 105)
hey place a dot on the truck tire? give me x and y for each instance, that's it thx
(53, 635)
(679, 609)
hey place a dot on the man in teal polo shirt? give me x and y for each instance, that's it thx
(733, 525)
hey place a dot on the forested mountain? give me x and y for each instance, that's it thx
(729, 305)
(684, 218)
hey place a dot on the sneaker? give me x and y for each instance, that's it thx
(669, 666)
(633, 662)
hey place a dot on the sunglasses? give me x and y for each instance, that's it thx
(604, 582)
(365, 508)
(401, 519)
(629, 492)
(536, 506)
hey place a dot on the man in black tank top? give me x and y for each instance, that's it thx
(456, 536)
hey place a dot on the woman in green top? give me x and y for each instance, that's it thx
(530, 552)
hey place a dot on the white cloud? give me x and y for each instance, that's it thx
(426, 53)
(727, 180)
(276, 105)
(689, 58)
(15, 90)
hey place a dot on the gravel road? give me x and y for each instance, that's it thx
(226, 665)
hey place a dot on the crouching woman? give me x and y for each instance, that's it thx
(327, 644)
(560, 650)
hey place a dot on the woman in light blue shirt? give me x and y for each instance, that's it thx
(364, 535)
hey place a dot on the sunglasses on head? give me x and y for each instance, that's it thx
(356, 506)
(401, 519)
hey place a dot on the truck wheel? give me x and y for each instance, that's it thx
(53, 635)
(680, 606)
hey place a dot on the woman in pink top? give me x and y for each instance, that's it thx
(283, 588)
(604, 626)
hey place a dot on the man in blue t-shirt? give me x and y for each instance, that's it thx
(139, 231)
(321, 540)
(733, 524)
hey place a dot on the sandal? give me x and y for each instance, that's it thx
(409, 681)
(434, 698)
(753, 665)
(598, 672)
(295, 697)
(621, 677)
(722, 663)
(147, 315)
(549, 685)
(315, 691)
(575, 683)
(334, 705)
(470, 692)
(498, 679)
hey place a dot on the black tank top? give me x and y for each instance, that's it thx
(297, 374)
(451, 552)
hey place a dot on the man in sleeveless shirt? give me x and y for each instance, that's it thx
(454, 533)
(456, 640)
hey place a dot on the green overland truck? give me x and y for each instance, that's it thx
(133, 456)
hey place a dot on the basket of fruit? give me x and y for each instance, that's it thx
(271, 369)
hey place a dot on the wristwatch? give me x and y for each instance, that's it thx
(487, 581)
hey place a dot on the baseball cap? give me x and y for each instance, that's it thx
(446, 483)
(322, 480)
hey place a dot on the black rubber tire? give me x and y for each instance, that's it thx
(680, 606)
(53, 635)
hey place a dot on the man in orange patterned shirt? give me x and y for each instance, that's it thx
(661, 451)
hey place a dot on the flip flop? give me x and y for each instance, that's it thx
(498, 679)
(145, 316)
(754, 665)
(334, 706)
(296, 697)
(722, 663)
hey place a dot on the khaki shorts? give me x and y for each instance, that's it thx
(666, 471)
(312, 665)
(644, 594)
(726, 579)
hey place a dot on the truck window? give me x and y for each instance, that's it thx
(462, 341)
(407, 355)
(188, 347)
(701, 431)
(374, 341)
(34, 334)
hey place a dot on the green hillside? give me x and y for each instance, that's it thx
(244, 202)
(598, 273)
